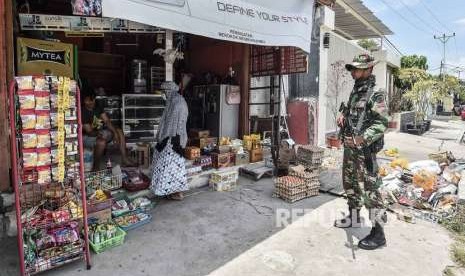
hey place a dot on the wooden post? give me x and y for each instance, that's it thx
(6, 74)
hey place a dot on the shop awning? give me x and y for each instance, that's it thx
(260, 22)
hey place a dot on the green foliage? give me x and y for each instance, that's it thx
(368, 44)
(414, 61)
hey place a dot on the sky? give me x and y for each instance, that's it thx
(415, 22)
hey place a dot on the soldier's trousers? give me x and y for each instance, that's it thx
(361, 181)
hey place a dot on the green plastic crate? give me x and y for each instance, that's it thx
(113, 242)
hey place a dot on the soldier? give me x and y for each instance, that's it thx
(363, 123)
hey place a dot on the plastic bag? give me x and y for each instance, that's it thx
(29, 139)
(44, 175)
(43, 157)
(452, 173)
(29, 158)
(25, 83)
(402, 163)
(427, 165)
(28, 119)
(43, 119)
(43, 138)
(26, 99)
(425, 179)
(42, 100)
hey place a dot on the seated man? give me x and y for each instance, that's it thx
(97, 131)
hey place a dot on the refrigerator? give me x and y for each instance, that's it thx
(218, 116)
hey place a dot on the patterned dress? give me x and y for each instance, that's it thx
(168, 167)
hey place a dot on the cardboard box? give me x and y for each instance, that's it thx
(144, 155)
(223, 149)
(102, 216)
(242, 158)
(256, 155)
(204, 142)
(221, 160)
(199, 133)
(191, 153)
(205, 161)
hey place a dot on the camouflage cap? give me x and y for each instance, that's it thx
(363, 61)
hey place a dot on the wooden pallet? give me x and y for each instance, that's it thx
(256, 171)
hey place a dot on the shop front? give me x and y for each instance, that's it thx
(138, 97)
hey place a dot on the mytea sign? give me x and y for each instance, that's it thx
(260, 22)
(40, 57)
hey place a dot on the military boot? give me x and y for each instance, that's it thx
(375, 239)
(352, 220)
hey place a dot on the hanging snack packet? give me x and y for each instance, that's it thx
(70, 114)
(54, 119)
(71, 130)
(43, 119)
(44, 175)
(29, 158)
(54, 155)
(43, 157)
(25, 83)
(71, 148)
(26, 99)
(40, 84)
(28, 119)
(43, 138)
(42, 100)
(29, 139)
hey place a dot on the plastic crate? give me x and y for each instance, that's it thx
(138, 224)
(110, 243)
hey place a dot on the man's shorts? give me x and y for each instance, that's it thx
(90, 141)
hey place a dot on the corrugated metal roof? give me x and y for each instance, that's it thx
(349, 26)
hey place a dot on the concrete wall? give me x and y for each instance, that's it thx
(339, 49)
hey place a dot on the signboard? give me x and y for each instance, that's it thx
(32, 22)
(259, 22)
(39, 57)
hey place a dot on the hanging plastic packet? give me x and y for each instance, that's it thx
(71, 148)
(25, 83)
(40, 84)
(29, 158)
(43, 119)
(29, 139)
(54, 119)
(71, 130)
(26, 99)
(43, 157)
(70, 114)
(28, 119)
(43, 138)
(42, 100)
(55, 173)
(54, 155)
(44, 175)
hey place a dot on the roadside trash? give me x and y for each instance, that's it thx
(442, 157)
(427, 165)
(401, 163)
(403, 216)
(392, 152)
(453, 172)
(425, 179)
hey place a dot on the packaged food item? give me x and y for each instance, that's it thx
(71, 148)
(70, 114)
(42, 119)
(28, 119)
(43, 157)
(54, 171)
(29, 158)
(54, 119)
(44, 175)
(29, 139)
(43, 138)
(71, 130)
(26, 99)
(54, 100)
(42, 100)
(40, 84)
(25, 83)
(54, 155)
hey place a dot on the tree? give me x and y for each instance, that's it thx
(368, 44)
(414, 61)
(337, 84)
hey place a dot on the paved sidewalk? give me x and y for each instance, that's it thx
(314, 247)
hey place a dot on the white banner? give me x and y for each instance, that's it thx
(260, 22)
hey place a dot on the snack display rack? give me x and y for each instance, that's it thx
(47, 170)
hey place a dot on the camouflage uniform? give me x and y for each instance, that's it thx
(360, 169)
